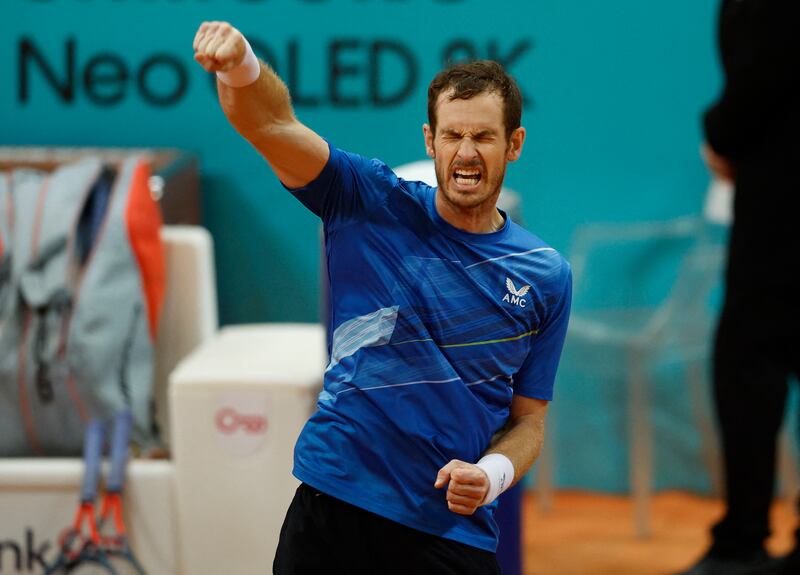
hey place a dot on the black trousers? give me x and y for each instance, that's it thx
(323, 535)
(755, 354)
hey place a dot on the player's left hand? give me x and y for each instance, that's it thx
(467, 488)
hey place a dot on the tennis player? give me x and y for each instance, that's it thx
(447, 323)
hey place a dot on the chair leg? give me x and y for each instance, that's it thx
(640, 443)
(700, 398)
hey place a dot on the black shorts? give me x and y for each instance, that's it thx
(322, 535)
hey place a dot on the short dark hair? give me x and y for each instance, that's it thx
(469, 79)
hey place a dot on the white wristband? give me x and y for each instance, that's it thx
(501, 474)
(245, 73)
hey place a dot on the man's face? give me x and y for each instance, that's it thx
(470, 150)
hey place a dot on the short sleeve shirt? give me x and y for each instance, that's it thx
(432, 331)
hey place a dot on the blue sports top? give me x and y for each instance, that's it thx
(432, 330)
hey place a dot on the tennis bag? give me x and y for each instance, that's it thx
(81, 287)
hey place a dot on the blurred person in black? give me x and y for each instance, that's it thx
(752, 134)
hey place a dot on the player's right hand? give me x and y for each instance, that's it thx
(218, 46)
(467, 486)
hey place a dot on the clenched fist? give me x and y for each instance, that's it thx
(218, 46)
(467, 488)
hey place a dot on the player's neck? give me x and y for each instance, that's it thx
(483, 219)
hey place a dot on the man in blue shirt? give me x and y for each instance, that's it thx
(447, 322)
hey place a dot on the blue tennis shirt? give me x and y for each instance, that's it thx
(433, 329)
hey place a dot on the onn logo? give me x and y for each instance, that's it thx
(229, 421)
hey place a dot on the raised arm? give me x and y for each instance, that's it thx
(262, 110)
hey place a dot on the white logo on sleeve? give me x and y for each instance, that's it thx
(514, 295)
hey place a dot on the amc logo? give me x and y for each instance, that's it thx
(229, 421)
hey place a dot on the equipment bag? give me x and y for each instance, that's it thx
(81, 287)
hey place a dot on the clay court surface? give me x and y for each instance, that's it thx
(592, 534)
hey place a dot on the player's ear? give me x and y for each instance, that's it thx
(428, 135)
(515, 143)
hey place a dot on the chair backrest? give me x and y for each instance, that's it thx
(669, 272)
(189, 316)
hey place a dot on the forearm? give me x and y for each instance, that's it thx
(262, 113)
(258, 111)
(521, 442)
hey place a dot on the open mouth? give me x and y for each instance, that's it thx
(467, 177)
